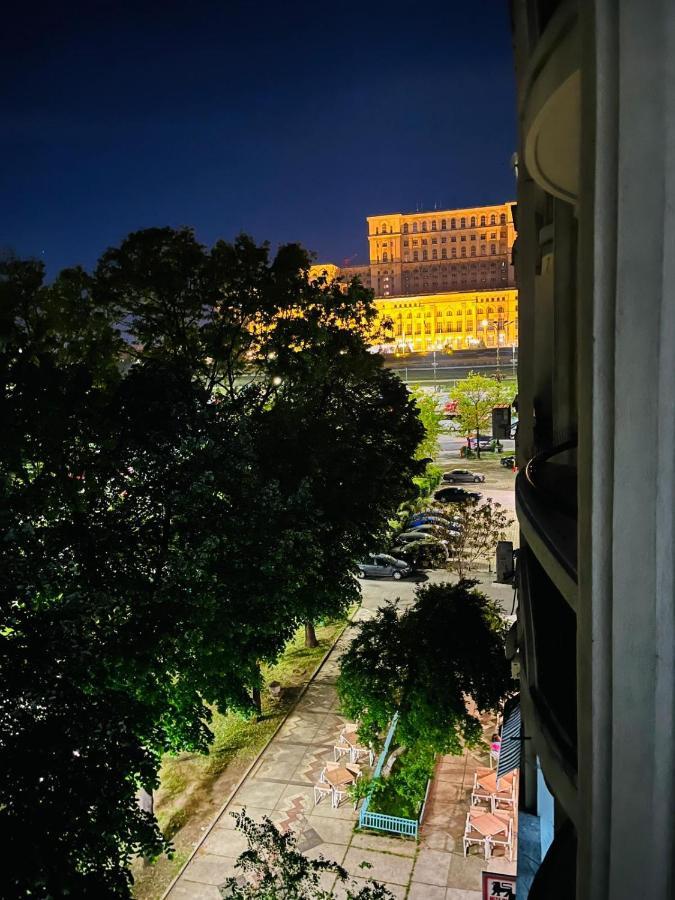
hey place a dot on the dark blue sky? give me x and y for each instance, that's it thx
(289, 121)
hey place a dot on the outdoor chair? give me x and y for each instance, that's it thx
(354, 769)
(472, 836)
(358, 752)
(504, 799)
(340, 750)
(480, 794)
(321, 790)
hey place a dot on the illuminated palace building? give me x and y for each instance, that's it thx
(444, 278)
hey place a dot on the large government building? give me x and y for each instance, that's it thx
(444, 279)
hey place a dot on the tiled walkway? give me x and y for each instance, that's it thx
(280, 785)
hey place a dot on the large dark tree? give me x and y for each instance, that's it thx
(197, 445)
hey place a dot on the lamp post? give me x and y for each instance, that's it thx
(494, 325)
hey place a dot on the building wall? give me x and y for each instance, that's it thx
(444, 250)
(452, 320)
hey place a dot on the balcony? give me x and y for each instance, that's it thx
(546, 502)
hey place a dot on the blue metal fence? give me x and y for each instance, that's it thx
(392, 824)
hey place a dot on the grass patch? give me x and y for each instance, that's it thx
(402, 792)
(193, 786)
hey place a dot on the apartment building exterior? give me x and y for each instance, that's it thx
(595, 494)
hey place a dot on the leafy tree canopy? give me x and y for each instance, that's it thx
(426, 664)
(197, 444)
(476, 396)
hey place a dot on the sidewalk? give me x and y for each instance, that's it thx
(280, 786)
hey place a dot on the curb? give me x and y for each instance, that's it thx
(256, 759)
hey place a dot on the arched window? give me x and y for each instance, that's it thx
(415, 227)
(483, 250)
(444, 224)
(482, 220)
(453, 223)
(425, 254)
(416, 255)
(377, 230)
(462, 222)
(500, 309)
(434, 254)
(502, 219)
(473, 221)
(493, 250)
(385, 257)
(444, 253)
(493, 221)
(405, 228)
(454, 251)
(490, 309)
(424, 226)
(433, 225)
(473, 251)
(463, 251)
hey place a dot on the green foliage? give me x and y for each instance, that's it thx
(431, 416)
(481, 526)
(272, 868)
(476, 396)
(174, 502)
(402, 792)
(447, 647)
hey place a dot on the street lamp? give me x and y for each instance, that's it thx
(494, 325)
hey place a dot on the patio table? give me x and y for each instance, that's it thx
(489, 783)
(339, 777)
(488, 824)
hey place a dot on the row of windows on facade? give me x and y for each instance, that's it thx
(464, 267)
(383, 245)
(459, 312)
(444, 253)
(385, 229)
(441, 327)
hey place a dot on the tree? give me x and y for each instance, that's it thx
(190, 465)
(476, 396)
(447, 647)
(481, 526)
(273, 869)
(431, 417)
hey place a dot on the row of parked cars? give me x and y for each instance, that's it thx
(427, 538)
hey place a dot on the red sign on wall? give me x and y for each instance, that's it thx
(499, 887)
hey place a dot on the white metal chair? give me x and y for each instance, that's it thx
(473, 836)
(321, 790)
(358, 752)
(342, 750)
(479, 794)
(504, 799)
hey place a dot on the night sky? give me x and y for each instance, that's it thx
(290, 121)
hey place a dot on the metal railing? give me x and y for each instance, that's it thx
(380, 821)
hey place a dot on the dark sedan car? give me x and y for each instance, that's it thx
(456, 495)
(381, 565)
(459, 476)
(424, 554)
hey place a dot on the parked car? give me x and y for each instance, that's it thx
(427, 553)
(507, 461)
(463, 476)
(381, 565)
(485, 443)
(431, 520)
(440, 531)
(432, 514)
(407, 537)
(456, 495)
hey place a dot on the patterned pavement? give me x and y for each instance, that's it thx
(280, 786)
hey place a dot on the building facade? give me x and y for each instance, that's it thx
(595, 493)
(441, 279)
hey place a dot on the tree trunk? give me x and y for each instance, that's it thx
(311, 639)
(257, 700)
(146, 801)
(478, 441)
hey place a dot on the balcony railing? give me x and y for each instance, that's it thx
(546, 501)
